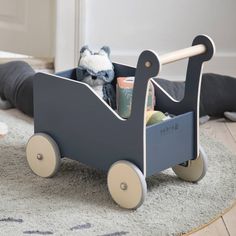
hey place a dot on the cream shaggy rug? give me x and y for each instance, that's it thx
(76, 201)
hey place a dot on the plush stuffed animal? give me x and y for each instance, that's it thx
(96, 70)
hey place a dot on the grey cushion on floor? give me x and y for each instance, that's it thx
(16, 85)
(218, 93)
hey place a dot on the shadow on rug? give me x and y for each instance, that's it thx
(77, 201)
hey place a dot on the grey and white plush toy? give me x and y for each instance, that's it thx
(96, 70)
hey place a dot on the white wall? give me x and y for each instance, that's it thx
(129, 26)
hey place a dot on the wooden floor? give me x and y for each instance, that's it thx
(224, 132)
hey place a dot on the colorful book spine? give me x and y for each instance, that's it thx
(124, 93)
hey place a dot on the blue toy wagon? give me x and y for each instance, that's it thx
(71, 120)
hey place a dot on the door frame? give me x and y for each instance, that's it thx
(70, 32)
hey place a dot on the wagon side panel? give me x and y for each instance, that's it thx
(83, 127)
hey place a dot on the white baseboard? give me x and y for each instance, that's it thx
(39, 64)
(221, 63)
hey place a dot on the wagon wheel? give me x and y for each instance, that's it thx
(195, 170)
(43, 155)
(126, 184)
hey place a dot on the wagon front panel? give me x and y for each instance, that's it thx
(169, 143)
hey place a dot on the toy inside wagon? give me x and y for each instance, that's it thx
(71, 120)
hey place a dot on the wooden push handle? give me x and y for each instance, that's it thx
(182, 54)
